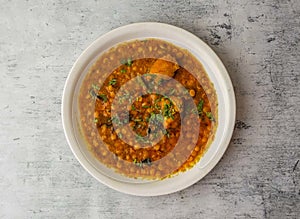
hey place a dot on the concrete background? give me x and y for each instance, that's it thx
(258, 41)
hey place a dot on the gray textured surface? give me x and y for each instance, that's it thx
(258, 42)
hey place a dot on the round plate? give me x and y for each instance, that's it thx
(217, 74)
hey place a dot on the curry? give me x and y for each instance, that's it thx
(148, 109)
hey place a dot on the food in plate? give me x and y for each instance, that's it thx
(147, 109)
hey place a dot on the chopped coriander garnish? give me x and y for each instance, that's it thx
(147, 119)
(127, 62)
(140, 138)
(200, 106)
(168, 134)
(168, 111)
(133, 107)
(141, 82)
(159, 117)
(165, 132)
(141, 163)
(147, 161)
(96, 120)
(146, 106)
(116, 120)
(123, 71)
(210, 116)
(123, 61)
(95, 87)
(172, 91)
(112, 81)
(124, 96)
(92, 93)
(160, 81)
(102, 97)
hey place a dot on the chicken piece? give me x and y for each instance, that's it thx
(166, 65)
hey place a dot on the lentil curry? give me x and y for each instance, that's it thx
(148, 113)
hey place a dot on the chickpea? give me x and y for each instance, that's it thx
(145, 154)
(192, 93)
(136, 147)
(105, 60)
(104, 153)
(204, 140)
(112, 94)
(113, 137)
(95, 143)
(110, 88)
(156, 147)
(103, 128)
(119, 165)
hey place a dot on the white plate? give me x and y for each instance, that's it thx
(217, 74)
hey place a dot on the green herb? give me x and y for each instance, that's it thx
(147, 119)
(146, 106)
(113, 81)
(147, 161)
(138, 120)
(194, 111)
(124, 96)
(141, 82)
(172, 91)
(166, 132)
(102, 97)
(123, 61)
(210, 116)
(116, 120)
(168, 111)
(123, 71)
(200, 107)
(127, 62)
(161, 80)
(133, 107)
(140, 138)
(96, 120)
(156, 103)
(95, 87)
(93, 93)
(158, 117)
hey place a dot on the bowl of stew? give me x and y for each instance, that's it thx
(148, 109)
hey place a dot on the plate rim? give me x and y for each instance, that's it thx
(151, 188)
